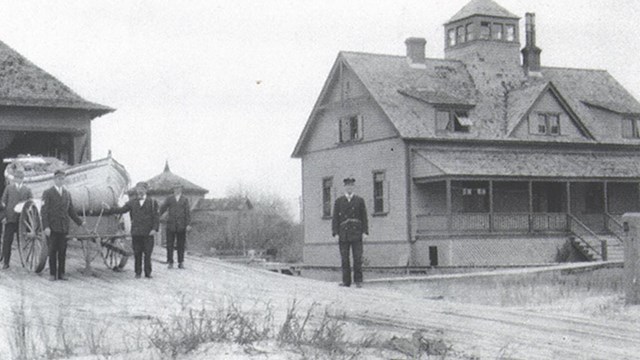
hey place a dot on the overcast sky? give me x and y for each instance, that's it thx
(222, 89)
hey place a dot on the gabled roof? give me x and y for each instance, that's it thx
(166, 181)
(24, 84)
(482, 7)
(497, 100)
(522, 100)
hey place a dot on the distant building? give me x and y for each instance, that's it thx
(39, 115)
(161, 186)
(220, 224)
(483, 157)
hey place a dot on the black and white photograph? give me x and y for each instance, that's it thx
(271, 180)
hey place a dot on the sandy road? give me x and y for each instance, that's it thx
(484, 331)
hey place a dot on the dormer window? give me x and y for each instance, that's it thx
(350, 128)
(630, 128)
(452, 121)
(546, 124)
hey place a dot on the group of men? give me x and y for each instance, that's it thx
(57, 211)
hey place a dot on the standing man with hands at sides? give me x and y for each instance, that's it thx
(144, 226)
(351, 226)
(56, 211)
(12, 195)
(178, 219)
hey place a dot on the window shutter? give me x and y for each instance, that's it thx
(345, 129)
(360, 127)
(387, 196)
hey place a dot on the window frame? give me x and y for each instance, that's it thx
(355, 128)
(544, 125)
(327, 197)
(380, 193)
(453, 124)
(635, 128)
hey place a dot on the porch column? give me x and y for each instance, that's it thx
(491, 205)
(530, 206)
(449, 210)
(568, 197)
(606, 197)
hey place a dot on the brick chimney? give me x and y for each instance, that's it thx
(531, 53)
(415, 51)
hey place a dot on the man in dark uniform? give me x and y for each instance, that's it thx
(351, 226)
(57, 209)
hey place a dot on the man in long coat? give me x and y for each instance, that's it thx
(351, 225)
(12, 195)
(178, 220)
(144, 226)
(57, 209)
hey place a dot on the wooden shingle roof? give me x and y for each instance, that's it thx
(543, 164)
(482, 7)
(164, 183)
(407, 95)
(24, 84)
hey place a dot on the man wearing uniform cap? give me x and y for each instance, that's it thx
(144, 226)
(351, 226)
(12, 195)
(57, 209)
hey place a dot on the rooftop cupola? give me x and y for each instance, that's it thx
(483, 31)
(531, 53)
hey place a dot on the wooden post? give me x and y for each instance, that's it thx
(490, 205)
(530, 206)
(449, 209)
(631, 223)
(606, 197)
(568, 197)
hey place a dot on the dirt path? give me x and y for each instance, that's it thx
(480, 330)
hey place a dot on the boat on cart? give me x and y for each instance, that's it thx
(94, 186)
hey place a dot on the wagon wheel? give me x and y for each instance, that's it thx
(114, 254)
(32, 243)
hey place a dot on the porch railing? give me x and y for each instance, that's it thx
(590, 241)
(491, 222)
(614, 226)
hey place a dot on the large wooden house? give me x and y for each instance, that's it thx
(484, 157)
(39, 115)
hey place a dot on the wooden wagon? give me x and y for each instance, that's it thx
(93, 186)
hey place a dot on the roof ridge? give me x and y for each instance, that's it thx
(570, 68)
(397, 56)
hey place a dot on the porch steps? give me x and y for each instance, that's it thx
(615, 248)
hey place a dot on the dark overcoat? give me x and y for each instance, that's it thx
(143, 218)
(179, 213)
(57, 209)
(11, 197)
(349, 218)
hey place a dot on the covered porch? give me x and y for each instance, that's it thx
(456, 206)
(482, 192)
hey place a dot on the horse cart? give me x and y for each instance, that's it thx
(93, 186)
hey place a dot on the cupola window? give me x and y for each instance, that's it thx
(497, 31)
(511, 32)
(485, 30)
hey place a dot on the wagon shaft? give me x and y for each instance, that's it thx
(116, 249)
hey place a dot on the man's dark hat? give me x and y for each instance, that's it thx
(349, 180)
(59, 173)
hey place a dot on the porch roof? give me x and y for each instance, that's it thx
(432, 164)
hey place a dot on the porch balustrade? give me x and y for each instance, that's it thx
(491, 222)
